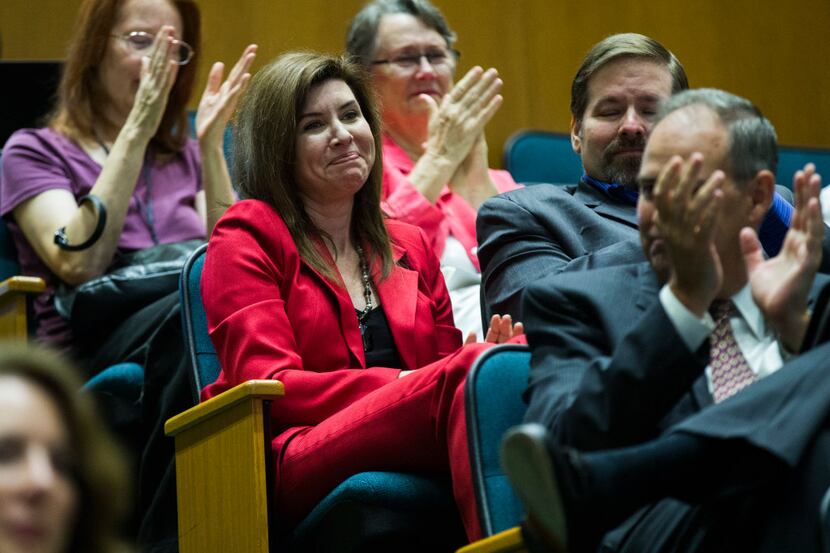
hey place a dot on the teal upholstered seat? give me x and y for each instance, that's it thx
(542, 156)
(793, 158)
(493, 396)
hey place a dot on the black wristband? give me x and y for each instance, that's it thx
(60, 234)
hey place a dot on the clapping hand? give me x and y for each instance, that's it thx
(459, 119)
(158, 73)
(686, 218)
(455, 151)
(220, 98)
(781, 285)
(472, 180)
(501, 330)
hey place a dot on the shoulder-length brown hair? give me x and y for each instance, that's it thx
(98, 465)
(265, 151)
(79, 92)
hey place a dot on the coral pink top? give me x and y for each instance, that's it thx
(451, 215)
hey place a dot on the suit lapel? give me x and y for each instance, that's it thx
(648, 293)
(399, 297)
(649, 286)
(343, 304)
(620, 212)
(605, 206)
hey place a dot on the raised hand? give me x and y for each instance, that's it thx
(158, 73)
(220, 98)
(781, 285)
(215, 110)
(457, 122)
(472, 180)
(501, 330)
(686, 218)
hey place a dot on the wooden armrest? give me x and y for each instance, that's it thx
(13, 318)
(252, 389)
(224, 470)
(508, 541)
(29, 285)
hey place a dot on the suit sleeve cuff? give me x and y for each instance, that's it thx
(692, 330)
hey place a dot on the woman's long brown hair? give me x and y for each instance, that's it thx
(265, 151)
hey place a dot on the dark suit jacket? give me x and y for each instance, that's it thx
(608, 370)
(543, 229)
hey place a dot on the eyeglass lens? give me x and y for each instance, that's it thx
(411, 60)
(139, 41)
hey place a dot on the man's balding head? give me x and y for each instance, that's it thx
(729, 135)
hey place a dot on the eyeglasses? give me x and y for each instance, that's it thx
(141, 42)
(408, 61)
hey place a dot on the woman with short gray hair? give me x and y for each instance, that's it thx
(435, 172)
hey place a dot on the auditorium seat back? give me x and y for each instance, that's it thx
(203, 360)
(793, 158)
(541, 156)
(533, 156)
(493, 396)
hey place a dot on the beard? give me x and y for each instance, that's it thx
(623, 170)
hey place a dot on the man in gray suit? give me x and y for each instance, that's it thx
(545, 229)
(630, 357)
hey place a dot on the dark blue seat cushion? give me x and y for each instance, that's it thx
(377, 510)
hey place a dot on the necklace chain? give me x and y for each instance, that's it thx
(367, 284)
(100, 141)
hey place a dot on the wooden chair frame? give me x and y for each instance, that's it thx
(223, 470)
(14, 291)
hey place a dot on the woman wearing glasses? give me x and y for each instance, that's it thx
(435, 172)
(114, 170)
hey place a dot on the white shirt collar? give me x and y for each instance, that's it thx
(750, 311)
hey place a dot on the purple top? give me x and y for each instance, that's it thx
(36, 160)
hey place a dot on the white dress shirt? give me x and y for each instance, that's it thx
(760, 346)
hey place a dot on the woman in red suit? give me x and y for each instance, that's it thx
(306, 282)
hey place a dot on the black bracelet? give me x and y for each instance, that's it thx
(60, 235)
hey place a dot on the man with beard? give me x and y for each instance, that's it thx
(545, 229)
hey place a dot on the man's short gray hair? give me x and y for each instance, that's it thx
(753, 145)
(363, 30)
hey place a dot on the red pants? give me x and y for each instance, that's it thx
(415, 423)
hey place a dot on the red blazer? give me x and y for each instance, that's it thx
(271, 316)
